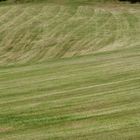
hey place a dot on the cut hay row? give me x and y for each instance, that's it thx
(40, 32)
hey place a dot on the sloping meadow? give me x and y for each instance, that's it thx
(69, 71)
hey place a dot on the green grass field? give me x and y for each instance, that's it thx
(69, 71)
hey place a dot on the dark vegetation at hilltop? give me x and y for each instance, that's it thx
(132, 1)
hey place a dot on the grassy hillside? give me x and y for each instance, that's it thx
(69, 71)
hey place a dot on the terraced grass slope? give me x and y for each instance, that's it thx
(69, 71)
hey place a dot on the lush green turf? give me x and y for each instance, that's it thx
(69, 71)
